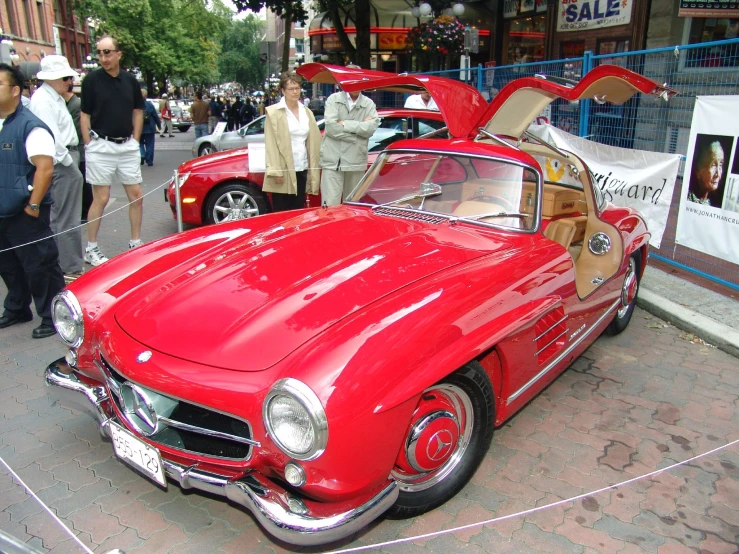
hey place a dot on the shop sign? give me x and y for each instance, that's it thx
(541, 6)
(527, 6)
(315, 44)
(331, 43)
(709, 8)
(579, 15)
(392, 41)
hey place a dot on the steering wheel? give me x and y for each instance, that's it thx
(492, 199)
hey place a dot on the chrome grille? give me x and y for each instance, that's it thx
(189, 427)
(410, 214)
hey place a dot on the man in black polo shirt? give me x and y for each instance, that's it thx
(111, 119)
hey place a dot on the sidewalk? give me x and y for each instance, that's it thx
(708, 315)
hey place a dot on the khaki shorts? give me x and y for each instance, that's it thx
(107, 163)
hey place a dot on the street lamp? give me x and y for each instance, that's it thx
(89, 64)
(429, 7)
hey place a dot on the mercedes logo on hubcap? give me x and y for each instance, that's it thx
(439, 445)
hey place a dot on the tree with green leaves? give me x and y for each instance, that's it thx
(336, 9)
(164, 39)
(239, 59)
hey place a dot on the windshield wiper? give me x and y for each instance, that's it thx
(494, 214)
(427, 190)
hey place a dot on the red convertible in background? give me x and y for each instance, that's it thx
(324, 366)
(219, 187)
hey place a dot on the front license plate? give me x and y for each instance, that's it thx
(137, 453)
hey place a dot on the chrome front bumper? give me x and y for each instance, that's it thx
(282, 514)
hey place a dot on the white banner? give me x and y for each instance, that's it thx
(578, 15)
(638, 179)
(257, 157)
(708, 217)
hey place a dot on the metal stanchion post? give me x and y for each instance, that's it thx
(177, 200)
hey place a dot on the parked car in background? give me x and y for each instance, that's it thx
(228, 140)
(321, 367)
(181, 118)
(219, 187)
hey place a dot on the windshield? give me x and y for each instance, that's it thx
(487, 190)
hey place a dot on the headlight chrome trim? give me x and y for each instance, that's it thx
(68, 298)
(303, 394)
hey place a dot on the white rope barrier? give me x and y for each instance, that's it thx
(84, 224)
(531, 510)
(46, 508)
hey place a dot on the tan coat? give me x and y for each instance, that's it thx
(279, 153)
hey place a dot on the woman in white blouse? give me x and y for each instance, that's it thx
(293, 147)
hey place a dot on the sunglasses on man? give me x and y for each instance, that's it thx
(67, 79)
(105, 52)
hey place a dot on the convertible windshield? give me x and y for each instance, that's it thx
(479, 189)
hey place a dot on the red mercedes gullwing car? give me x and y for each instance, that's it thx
(324, 366)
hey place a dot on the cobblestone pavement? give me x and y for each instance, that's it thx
(631, 404)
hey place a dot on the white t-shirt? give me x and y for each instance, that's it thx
(39, 142)
(415, 102)
(298, 128)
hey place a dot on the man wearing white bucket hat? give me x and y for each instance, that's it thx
(49, 106)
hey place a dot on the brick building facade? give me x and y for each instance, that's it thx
(41, 27)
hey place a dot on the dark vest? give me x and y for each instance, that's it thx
(16, 172)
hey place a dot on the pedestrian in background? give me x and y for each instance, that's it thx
(49, 106)
(216, 108)
(234, 116)
(292, 148)
(29, 258)
(200, 111)
(166, 111)
(248, 113)
(350, 119)
(111, 122)
(73, 107)
(148, 130)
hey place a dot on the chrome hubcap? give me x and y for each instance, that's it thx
(629, 289)
(234, 205)
(437, 438)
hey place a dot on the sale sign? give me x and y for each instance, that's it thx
(578, 15)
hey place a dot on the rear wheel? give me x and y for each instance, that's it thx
(205, 149)
(235, 200)
(629, 291)
(184, 129)
(449, 433)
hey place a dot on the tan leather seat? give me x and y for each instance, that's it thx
(561, 231)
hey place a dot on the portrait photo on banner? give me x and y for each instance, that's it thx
(731, 192)
(708, 171)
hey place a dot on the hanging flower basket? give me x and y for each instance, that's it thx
(443, 35)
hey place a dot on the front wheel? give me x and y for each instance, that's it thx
(184, 129)
(232, 201)
(449, 434)
(629, 291)
(205, 149)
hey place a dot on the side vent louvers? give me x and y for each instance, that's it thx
(551, 334)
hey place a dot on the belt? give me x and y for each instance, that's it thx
(116, 140)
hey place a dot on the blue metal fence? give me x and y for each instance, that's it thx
(644, 123)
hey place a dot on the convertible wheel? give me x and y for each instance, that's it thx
(205, 149)
(449, 433)
(184, 129)
(232, 201)
(629, 290)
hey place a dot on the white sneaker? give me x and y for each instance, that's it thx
(134, 243)
(94, 256)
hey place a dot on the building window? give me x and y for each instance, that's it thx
(699, 30)
(299, 46)
(42, 21)
(613, 46)
(525, 40)
(298, 25)
(27, 17)
(13, 27)
(58, 13)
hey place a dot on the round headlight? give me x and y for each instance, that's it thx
(295, 419)
(67, 315)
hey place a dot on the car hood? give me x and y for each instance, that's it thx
(249, 303)
(211, 159)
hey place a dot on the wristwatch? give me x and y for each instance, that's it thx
(34, 207)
